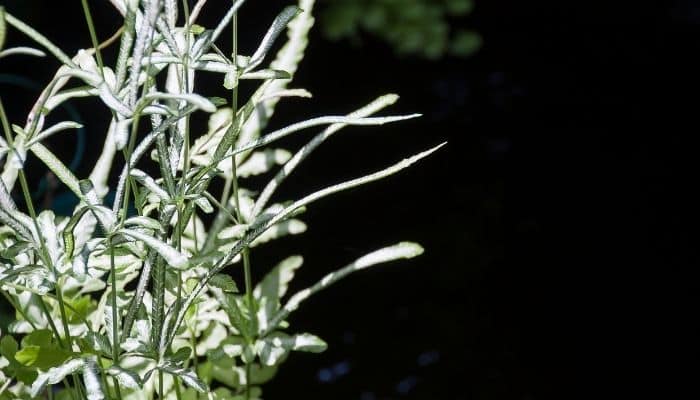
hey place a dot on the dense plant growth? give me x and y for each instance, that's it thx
(136, 305)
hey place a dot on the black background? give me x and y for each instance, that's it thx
(559, 222)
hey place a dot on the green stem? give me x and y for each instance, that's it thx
(236, 197)
(93, 35)
(115, 315)
(160, 385)
(52, 325)
(19, 310)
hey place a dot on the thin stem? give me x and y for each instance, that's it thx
(19, 310)
(178, 393)
(160, 385)
(236, 197)
(45, 309)
(93, 35)
(115, 315)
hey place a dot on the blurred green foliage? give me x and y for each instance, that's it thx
(416, 27)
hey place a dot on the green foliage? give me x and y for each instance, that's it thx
(137, 307)
(420, 27)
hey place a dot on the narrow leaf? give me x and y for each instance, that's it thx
(196, 100)
(173, 257)
(58, 168)
(280, 133)
(56, 375)
(61, 126)
(27, 51)
(278, 25)
(304, 152)
(39, 38)
(224, 282)
(403, 250)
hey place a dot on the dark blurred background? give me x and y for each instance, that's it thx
(559, 222)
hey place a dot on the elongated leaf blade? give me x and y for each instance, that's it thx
(56, 374)
(58, 168)
(403, 250)
(27, 51)
(277, 27)
(173, 257)
(307, 149)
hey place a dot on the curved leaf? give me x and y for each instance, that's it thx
(398, 251)
(173, 257)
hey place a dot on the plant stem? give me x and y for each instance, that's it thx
(236, 197)
(115, 315)
(93, 36)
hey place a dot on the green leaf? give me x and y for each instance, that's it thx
(41, 350)
(80, 308)
(224, 282)
(181, 355)
(41, 356)
(8, 347)
(40, 337)
(196, 29)
(28, 355)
